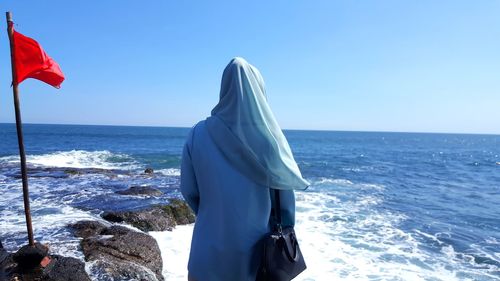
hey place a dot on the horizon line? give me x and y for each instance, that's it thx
(285, 129)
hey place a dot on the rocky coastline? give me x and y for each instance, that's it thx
(115, 248)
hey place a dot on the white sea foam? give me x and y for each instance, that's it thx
(48, 222)
(429, 236)
(347, 183)
(358, 169)
(79, 159)
(170, 172)
(175, 246)
(50, 214)
(493, 241)
(342, 240)
(333, 181)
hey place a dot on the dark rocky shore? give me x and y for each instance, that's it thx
(116, 248)
(154, 218)
(118, 252)
(35, 264)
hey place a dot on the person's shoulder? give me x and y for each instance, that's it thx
(195, 130)
(200, 126)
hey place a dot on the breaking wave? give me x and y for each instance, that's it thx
(79, 159)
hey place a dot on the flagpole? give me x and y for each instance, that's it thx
(19, 127)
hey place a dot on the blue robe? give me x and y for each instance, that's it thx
(232, 212)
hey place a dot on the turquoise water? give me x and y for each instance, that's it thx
(382, 206)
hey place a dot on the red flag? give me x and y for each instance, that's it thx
(32, 62)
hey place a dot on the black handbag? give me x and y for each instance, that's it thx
(282, 259)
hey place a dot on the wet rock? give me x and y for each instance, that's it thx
(6, 263)
(181, 211)
(149, 219)
(58, 269)
(120, 253)
(87, 228)
(65, 269)
(86, 171)
(110, 270)
(3, 253)
(141, 190)
(3, 274)
(149, 171)
(156, 217)
(72, 172)
(28, 257)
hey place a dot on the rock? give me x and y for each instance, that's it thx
(156, 217)
(181, 211)
(87, 228)
(3, 275)
(120, 253)
(6, 264)
(149, 171)
(109, 270)
(58, 269)
(72, 172)
(141, 190)
(85, 171)
(28, 257)
(3, 254)
(65, 269)
(149, 219)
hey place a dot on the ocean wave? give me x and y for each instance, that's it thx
(79, 159)
(333, 181)
(346, 182)
(338, 240)
(176, 244)
(354, 240)
(358, 169)
(170, 172)
(49, 223)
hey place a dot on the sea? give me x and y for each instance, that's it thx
(381, 206)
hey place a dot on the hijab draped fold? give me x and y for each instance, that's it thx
(243, 127)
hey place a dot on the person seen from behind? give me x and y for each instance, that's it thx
(230, 162)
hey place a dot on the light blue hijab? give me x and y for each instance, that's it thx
(244, 128)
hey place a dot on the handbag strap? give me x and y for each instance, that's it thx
(293, 240)
(277, 209)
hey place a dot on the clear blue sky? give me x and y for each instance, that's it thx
(424, 66)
